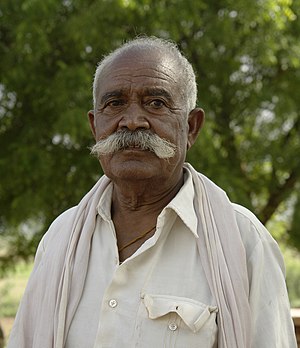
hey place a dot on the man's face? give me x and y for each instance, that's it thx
(141, 91)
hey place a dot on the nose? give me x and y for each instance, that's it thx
(133, 118)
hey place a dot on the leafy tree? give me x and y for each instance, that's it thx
(246, 55)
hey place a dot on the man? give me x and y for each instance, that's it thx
(154, 255)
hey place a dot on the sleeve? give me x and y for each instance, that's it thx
(272, 324)
(37, 304)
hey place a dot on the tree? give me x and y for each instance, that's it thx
(246, 55)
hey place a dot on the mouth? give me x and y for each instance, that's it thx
(134, 148)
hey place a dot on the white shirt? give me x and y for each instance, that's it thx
(159, 297)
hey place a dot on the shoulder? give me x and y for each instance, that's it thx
(248, 223)
(59, 229)
(57, 236)
(257, 240)
(245, 216)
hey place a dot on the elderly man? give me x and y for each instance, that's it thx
(154, 255)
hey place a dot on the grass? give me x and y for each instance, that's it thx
(12, 287)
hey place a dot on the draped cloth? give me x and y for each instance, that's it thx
(56, 283)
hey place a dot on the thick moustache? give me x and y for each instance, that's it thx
(136, 141)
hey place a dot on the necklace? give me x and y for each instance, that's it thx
(136, 239)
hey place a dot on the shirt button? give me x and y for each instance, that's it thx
(172, 326)
(112, 303)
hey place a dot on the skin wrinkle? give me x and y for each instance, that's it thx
(156, 92)
(143, 183)
(141, 77)
(165, 55)
(136, 73)
(100, 108)
(108, 95)
(152, 92)
(149, 76)
(144, 76)
(156, 70)
(138, 205)
(124, 76)
(149, 92)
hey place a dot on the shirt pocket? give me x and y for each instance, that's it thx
(175, 322)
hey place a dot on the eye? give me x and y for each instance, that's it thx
(156, 103)
(114, 103)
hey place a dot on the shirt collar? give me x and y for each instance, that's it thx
(104, 205)
(182, 204)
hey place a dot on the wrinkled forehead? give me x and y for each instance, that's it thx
(144, 57)
(141, 67)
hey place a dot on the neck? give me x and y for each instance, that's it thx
(138, 195)
(135, 208)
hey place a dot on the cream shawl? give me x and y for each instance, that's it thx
(56, 283)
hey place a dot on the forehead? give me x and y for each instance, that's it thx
(140, 70)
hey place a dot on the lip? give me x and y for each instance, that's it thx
(134, 148)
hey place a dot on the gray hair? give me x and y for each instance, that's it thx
(186, 72)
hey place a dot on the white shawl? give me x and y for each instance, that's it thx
(56, 283)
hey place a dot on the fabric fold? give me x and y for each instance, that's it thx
(193, 313)
(56, 283)
(223, 257)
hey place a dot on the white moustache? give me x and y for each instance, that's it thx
(142, 139)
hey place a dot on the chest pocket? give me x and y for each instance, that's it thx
(175, 322)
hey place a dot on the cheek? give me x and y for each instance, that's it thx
(182, 142)
(169, 127)
(179, 132)
(105, 162)
(105, 126)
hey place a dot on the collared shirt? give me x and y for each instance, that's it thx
(159, 297)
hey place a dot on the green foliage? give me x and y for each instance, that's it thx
(246, 55)
(294, 230)
(12, 288)
(292, 263)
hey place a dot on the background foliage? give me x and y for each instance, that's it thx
(246, 54)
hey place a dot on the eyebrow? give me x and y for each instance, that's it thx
(153, 92)
(158, 92)
(113, 94)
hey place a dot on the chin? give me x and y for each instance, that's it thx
(133, 171)
(141, 165)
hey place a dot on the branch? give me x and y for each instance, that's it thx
(278, 195)
(295, 127)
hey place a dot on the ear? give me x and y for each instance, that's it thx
(91, 116)
(195, 120)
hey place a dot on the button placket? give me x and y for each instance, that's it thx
(173, 329)
(173, 324)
